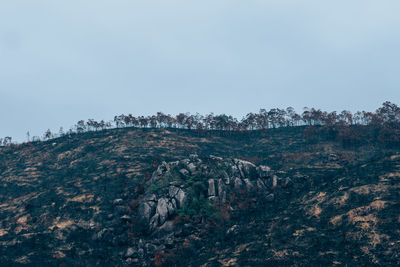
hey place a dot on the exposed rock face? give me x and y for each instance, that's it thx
(175, 185)
(211, 187)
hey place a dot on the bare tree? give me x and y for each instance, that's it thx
(47, 135)
(80, 126)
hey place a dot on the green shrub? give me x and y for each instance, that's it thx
(157, 186)
(198, 206)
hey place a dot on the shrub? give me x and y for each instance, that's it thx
(198, 206)
(155, 187)
(160, 258)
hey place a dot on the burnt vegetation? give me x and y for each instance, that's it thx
(330, 195)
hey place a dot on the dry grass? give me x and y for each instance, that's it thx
(23, 219)
(370, 189)
(228, 262)
(82, 198)
(3, 232)
(61, 225)
(337, 220)
(340, 201)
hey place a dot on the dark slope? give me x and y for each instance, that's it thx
(58, 197)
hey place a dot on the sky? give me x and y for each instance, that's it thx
(63, 61)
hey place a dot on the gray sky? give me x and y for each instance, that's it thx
(61, 61)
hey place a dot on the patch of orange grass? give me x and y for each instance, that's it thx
(23, 219)
(315, 211)
(368, 189)
(376, 238)
(30, 169)
(23, 260)
(319, 198)
(341, 200)
(280, 254)
(336, 220)
(239, 249)
(378, 204)
(360, 214)
(355, 217)
(3, 232)
(394, 157)
(389, 177)
(301, 232)
(61, 225)
(228, 262)
(82, 198)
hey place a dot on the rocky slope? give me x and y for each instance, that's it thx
(183, 197)
(153, 197)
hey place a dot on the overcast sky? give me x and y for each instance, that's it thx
(61, 61)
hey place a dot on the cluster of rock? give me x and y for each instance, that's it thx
(169, 188)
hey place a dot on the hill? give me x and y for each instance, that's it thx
(148, 196)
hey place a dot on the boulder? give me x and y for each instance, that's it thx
(154, 221)
(245, 167)
(191, 167)
(333, 157)
(216, 158)
(145, 210)
(162, 209)
(274, 182)
(234, 230)
(126, 218)
(161, 171)
(263, 171)
(172, 206)
(213, 199)
(130, 252)
(260, 184)
(211, 187)
(221, 190)
(173, 191)
(181, 198)
(235, 171)
(238, 183)
(226, 177)
(118, 201)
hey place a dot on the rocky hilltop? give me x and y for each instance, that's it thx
(157, 197)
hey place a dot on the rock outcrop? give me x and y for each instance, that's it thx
(175, 185)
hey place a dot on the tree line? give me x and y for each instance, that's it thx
(386, 117)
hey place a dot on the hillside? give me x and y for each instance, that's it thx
(86, 199)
